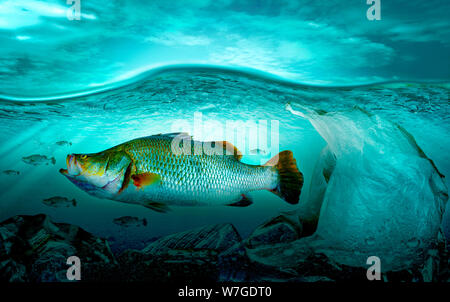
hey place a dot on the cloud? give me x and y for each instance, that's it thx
(415, 32)
(23, 38)
(299, 49)
(309, 40)
(16, 14)
(177, 38)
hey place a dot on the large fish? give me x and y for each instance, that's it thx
(168, 169)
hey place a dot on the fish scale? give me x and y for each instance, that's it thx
(190, 178)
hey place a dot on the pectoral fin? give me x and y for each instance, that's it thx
(243, 202)
(156, 206)
(145, 179)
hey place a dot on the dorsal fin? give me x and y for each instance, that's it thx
(180, 135)
(156, 206)
(230, 149)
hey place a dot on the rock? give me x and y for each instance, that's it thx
(277, 230)
(172, 265)
(184, 257)
(312, 263)
(444, 262)
(189, 255)
(136, 265)
(186, 265)
(217, 237)
(234, 264)
(50, 263)
(430, 267)
(12, 271)
(34, 248)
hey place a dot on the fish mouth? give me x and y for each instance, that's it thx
(73, 168)
(95, 182)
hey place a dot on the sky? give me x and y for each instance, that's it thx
(318, 42)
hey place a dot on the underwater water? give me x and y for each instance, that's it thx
(156, 102)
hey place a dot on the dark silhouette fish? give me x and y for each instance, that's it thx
(37, 159)
(127, 221)
(59, 202)
(11, 172)
(64, 143)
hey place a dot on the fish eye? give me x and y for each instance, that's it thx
(83, 156)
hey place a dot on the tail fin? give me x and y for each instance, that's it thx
(290, 178)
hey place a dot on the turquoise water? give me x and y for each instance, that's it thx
(153, 102)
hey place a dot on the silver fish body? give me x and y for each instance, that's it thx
(191, 180)
(151, 171)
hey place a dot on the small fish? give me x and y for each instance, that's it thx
(37, 159)
(151, 171)
(11, 172)
(64, 143)
(59, 202)
(257, 152)
(127, 221)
